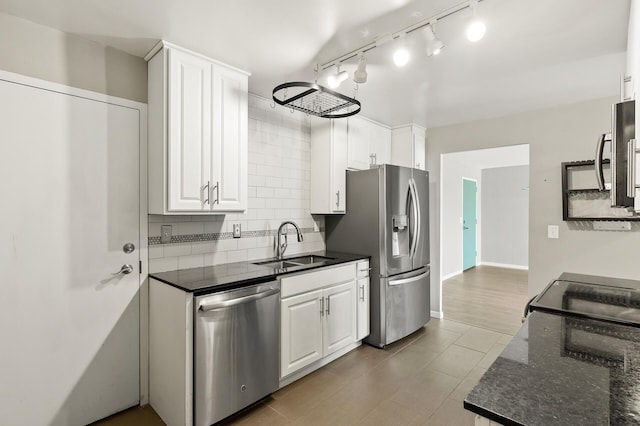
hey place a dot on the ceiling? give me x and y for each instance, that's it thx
(535, 54)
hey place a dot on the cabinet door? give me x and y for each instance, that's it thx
(358, 143)
(189, 132)
(340, 317)
(229, 156)
(301, 331)
(339, 166)
(380, 146)
(419, 148)
(363, 308)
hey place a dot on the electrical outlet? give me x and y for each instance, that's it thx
(165, 234)
(237, 233)
(553, 231)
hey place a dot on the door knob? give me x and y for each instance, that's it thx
(126, 269)
(128, 248)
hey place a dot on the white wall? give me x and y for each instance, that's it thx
(453, 172)
(42, 52)
(505, 216)
(563, 133)
(279, 182)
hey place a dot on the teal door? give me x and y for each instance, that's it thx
(469, 222)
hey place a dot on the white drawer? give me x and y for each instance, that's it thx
(316, 279)
(363, 269)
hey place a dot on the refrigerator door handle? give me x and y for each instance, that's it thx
(599, 156)
(416, 218)
(409, 280)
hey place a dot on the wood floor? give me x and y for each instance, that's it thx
(487, 297)
(420, 380)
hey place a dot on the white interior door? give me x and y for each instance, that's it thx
(70, 188)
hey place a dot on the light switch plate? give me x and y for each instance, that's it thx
(553, 231)
(165, 234)
(237, 233)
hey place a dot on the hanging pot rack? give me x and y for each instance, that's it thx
(313, 99)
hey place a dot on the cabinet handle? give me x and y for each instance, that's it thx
(217, 188)
(328, 306)
(205, 187)
(362, 292)
(322, 306)
(338, 199)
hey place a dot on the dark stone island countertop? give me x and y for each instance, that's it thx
(563, 370)
(227, 276)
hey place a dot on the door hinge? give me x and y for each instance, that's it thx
(139, 266)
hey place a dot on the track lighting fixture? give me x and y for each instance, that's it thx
(475, 31)
(475, 28)
(334, 80)
(434, 44)
(401, 55)
(360, 74)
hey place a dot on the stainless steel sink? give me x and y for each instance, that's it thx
(294, 261)
(309, 259)
(280, 264)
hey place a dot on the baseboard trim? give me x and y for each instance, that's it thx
(451, 275)
(505, 265)
(436, 314)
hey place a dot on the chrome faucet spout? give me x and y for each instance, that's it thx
(282, 246)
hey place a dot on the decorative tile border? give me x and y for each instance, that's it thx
(193, 238)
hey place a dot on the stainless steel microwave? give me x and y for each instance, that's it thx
(623, 149)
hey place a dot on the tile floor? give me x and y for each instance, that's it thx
(420, 380)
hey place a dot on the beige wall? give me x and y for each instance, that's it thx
(564, 133)
(42, 52)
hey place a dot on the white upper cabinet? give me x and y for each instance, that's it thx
(230, 140)
(408, 146)
(328, 165)
(369, 143)
(358, 136)
(198, 125)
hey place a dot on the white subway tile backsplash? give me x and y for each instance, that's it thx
(156, 252)
(188, 228)
(215, 258)
(163, 264)
(192, 261)
(171, 250)
(237, 256)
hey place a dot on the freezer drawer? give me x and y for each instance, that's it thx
(407, 304)
(237, 338)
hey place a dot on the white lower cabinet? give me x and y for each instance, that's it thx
(319, 316)
(301, 331)
(340, 317)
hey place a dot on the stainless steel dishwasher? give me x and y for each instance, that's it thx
(236, 350)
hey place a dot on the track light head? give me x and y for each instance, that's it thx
(360, 75)
(434, 44)
(334, 80)
(475, 28)
(401, 56)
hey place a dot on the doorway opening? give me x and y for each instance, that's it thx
(469, 223)
(484, 226)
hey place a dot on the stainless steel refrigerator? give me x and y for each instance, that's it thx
(388, 218)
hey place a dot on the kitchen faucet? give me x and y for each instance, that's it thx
(281, 247)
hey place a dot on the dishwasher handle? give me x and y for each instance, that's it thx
(238, 301)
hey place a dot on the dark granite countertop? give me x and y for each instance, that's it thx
(240, 274)
(563, 370)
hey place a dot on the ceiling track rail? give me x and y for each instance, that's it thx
(406, 30)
